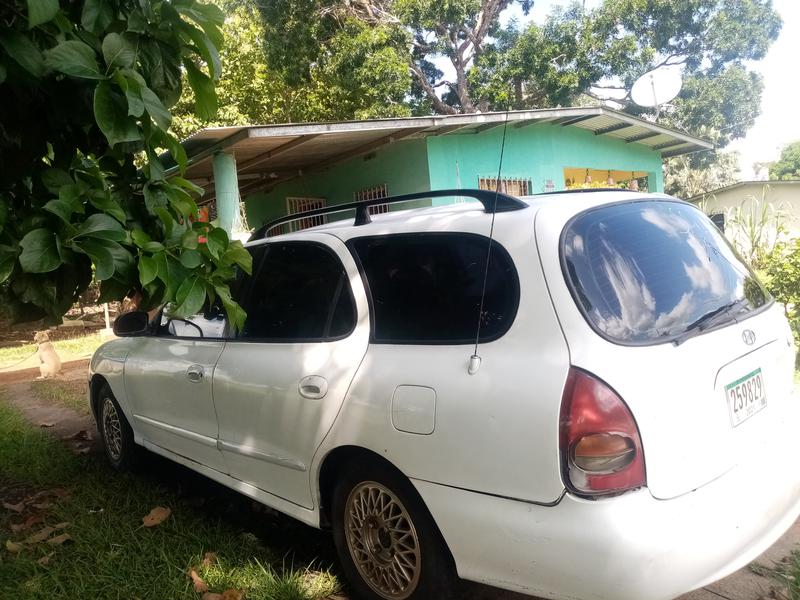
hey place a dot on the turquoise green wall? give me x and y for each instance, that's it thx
(403, 166)
(538, 152)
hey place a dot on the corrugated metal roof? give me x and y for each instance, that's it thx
(270, 154)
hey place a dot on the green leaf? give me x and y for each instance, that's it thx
(102, 200)
(189, 240)
(236, 316)
(177, 151)
(119, 50)
(205, 98)
(41, 11)
(73, 58)
(111, 113)
(7, 266)
(113, 289)
(181, 202)
(20, 48)
(97, 15)
(154, 197)
(63, 210)
(39, 252)
(205, 47)
(53, 179)
(140, 237)
(190, 297)
(152, 247)
(187, 185)
(191, 259)
(155, 108)
(147, 269)
(102, 226)
(217, 242)
(71, 194)
(238, 254)
(101, 257)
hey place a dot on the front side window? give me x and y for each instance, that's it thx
(209, 324)
(426, 287)
(300, 292)
(652, 271)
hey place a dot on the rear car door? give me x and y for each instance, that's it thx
(279, 384)
(168, 380)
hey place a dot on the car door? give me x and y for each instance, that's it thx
(279, 384)
(168, 380)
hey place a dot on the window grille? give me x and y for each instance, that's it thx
(296, 206)
(374, 193)
(508, 185)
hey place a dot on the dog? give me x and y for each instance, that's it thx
(49, 362)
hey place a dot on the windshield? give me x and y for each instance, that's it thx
(645, 272)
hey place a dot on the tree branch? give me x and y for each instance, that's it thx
(438, 104)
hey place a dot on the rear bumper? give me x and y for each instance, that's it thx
(632, 547)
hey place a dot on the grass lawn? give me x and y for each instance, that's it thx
(110, 554)
(68, 393)
(81, 346)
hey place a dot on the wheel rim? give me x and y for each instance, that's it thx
(112, 429)
(382, 541)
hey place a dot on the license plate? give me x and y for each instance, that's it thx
(746, 396)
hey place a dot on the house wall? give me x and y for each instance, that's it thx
(403, 166)
(539, 152)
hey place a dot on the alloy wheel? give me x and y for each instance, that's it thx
(382, 541)
(112, 429)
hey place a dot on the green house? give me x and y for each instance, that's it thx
(277, 170)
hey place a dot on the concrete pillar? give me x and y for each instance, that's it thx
(655, 181)
(226, 189)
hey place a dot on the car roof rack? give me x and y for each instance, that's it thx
(493, 202)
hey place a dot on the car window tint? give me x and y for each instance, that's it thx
(426, 287)
(301, 292)
(207, 325)
(644, 272)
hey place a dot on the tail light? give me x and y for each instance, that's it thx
(601, 451)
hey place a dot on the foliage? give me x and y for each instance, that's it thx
(574, 57)
(781, 274)
(756, 229)
(788, 165)
(87, 86)
(683, 179)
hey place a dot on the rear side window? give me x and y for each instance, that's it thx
(647, 272)
(299, 293)
(426, 287)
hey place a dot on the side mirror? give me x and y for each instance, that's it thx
(132, 324)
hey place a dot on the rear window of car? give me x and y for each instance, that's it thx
(425, 288)
(646, 272)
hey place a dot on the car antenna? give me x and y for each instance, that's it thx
(475, 359)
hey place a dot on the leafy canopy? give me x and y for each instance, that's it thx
(788, 165)
(87, 86)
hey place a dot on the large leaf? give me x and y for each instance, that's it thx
(236, 315)
(8, 258)
(205, 47)
(97, 15)
(191, 259)
(205, 98)
(60, 208)
(102, 200)
(75, 59)
(102, 226)
(238, 254)
(154, 197)
(101, 257)
(147, 269)
(119, 50)
(54, 179)
(39, 252)
(190, 297)
(111, 113)
(217, 242)
(23, 51)
(155, 108)
(41, 11)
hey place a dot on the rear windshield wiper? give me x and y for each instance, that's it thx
(707, 320)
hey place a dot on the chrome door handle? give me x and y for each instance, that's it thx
(195, 373)
(313, 387)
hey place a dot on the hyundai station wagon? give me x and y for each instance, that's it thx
(573, 396)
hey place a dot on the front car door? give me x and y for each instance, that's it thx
(279, 384)
(168, 380)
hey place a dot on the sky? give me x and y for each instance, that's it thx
(779, 123)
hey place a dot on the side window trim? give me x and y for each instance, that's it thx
(342, 286)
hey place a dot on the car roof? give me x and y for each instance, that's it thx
(454, 217)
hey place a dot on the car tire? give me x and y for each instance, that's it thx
(115, 431)
(388, 544)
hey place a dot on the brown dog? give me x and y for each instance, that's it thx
(49, 362)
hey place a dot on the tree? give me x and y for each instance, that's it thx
(684, 180)
(575, 56)
(788, 165)
(87, 87)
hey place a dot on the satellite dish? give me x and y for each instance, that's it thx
(657, 87)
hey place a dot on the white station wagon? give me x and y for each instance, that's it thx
(593, 403)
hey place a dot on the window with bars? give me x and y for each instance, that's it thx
(374, 193)
(296, 206)
(508, 185)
